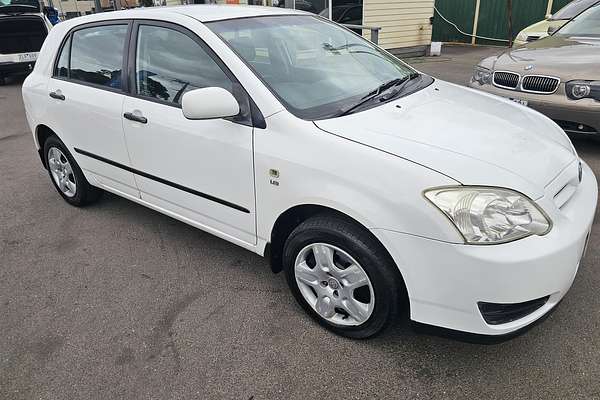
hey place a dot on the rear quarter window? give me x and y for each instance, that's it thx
(62, 65)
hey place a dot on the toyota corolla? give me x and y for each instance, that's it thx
(371, 185)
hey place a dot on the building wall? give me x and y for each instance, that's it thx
(404, 23)
(82, 7)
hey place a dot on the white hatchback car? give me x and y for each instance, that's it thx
(373, 186)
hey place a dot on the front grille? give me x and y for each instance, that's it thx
(508, 80)
(496, 313)
(540, 84)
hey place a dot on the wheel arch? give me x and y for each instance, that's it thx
(42, 133)
(288, 220)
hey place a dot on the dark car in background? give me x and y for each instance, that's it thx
(23, 29)
(346, 14)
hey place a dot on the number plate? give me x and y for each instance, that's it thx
(27, 57)
(521, 102)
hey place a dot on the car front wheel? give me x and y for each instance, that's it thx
(342, 276)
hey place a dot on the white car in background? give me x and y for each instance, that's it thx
(23, 28)
(373, 186)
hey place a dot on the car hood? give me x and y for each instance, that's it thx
(541, 28)
(469, 136)
(564, 57)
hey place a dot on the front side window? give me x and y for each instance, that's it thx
(316, 68)
(170, 63)
(97, 55)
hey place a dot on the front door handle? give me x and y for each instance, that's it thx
(135, 117)
(57, 94)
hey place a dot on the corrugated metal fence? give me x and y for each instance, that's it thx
(492, 20)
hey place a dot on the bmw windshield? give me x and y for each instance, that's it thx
(586, 24)
(316, 68)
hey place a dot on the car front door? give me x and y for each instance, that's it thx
(86, 99)
(201, 171)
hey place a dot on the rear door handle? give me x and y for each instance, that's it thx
(57, 94)
(135, 117)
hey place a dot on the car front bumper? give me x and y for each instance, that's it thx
(569, 114)
(446, 281)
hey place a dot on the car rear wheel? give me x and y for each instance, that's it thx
(342, 276)
(66, 176)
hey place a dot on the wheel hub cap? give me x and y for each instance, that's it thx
(334, 284)
(62, 172)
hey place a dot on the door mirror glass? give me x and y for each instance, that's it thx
(209, 103)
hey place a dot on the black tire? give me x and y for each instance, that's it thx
(85, 193)
(358, 242)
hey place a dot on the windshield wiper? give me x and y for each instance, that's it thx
(398, 82)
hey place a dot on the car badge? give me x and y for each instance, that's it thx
(529, 67)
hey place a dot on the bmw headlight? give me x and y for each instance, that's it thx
(577, 90)
(482, 75)
(488, 215)
(522, 37)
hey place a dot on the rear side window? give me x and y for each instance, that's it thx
(97, 55)
(169, 63)
(62, 66)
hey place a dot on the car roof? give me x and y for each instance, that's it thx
(201, 12)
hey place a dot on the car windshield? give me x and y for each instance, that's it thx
(572, 9)
(316, 68)
(585, 24)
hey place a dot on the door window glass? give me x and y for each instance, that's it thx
(97, 55)
(62, 66)
(170, 63)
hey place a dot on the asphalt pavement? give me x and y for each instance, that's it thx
(116, 301)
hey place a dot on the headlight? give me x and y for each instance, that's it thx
(487, 215)
(522, 37)
(482, 75)
(577, 90)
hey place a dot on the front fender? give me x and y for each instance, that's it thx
(296, 163)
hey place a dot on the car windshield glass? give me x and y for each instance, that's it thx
(316, 68)
(585, 24)
(572, 9)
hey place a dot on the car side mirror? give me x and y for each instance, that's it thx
(551, 30)
(209, 103)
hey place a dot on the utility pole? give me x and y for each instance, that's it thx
(510, 24)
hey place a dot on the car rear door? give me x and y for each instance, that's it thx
(86, 101)
(201, 171)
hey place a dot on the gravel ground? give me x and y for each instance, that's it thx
(117, 301)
